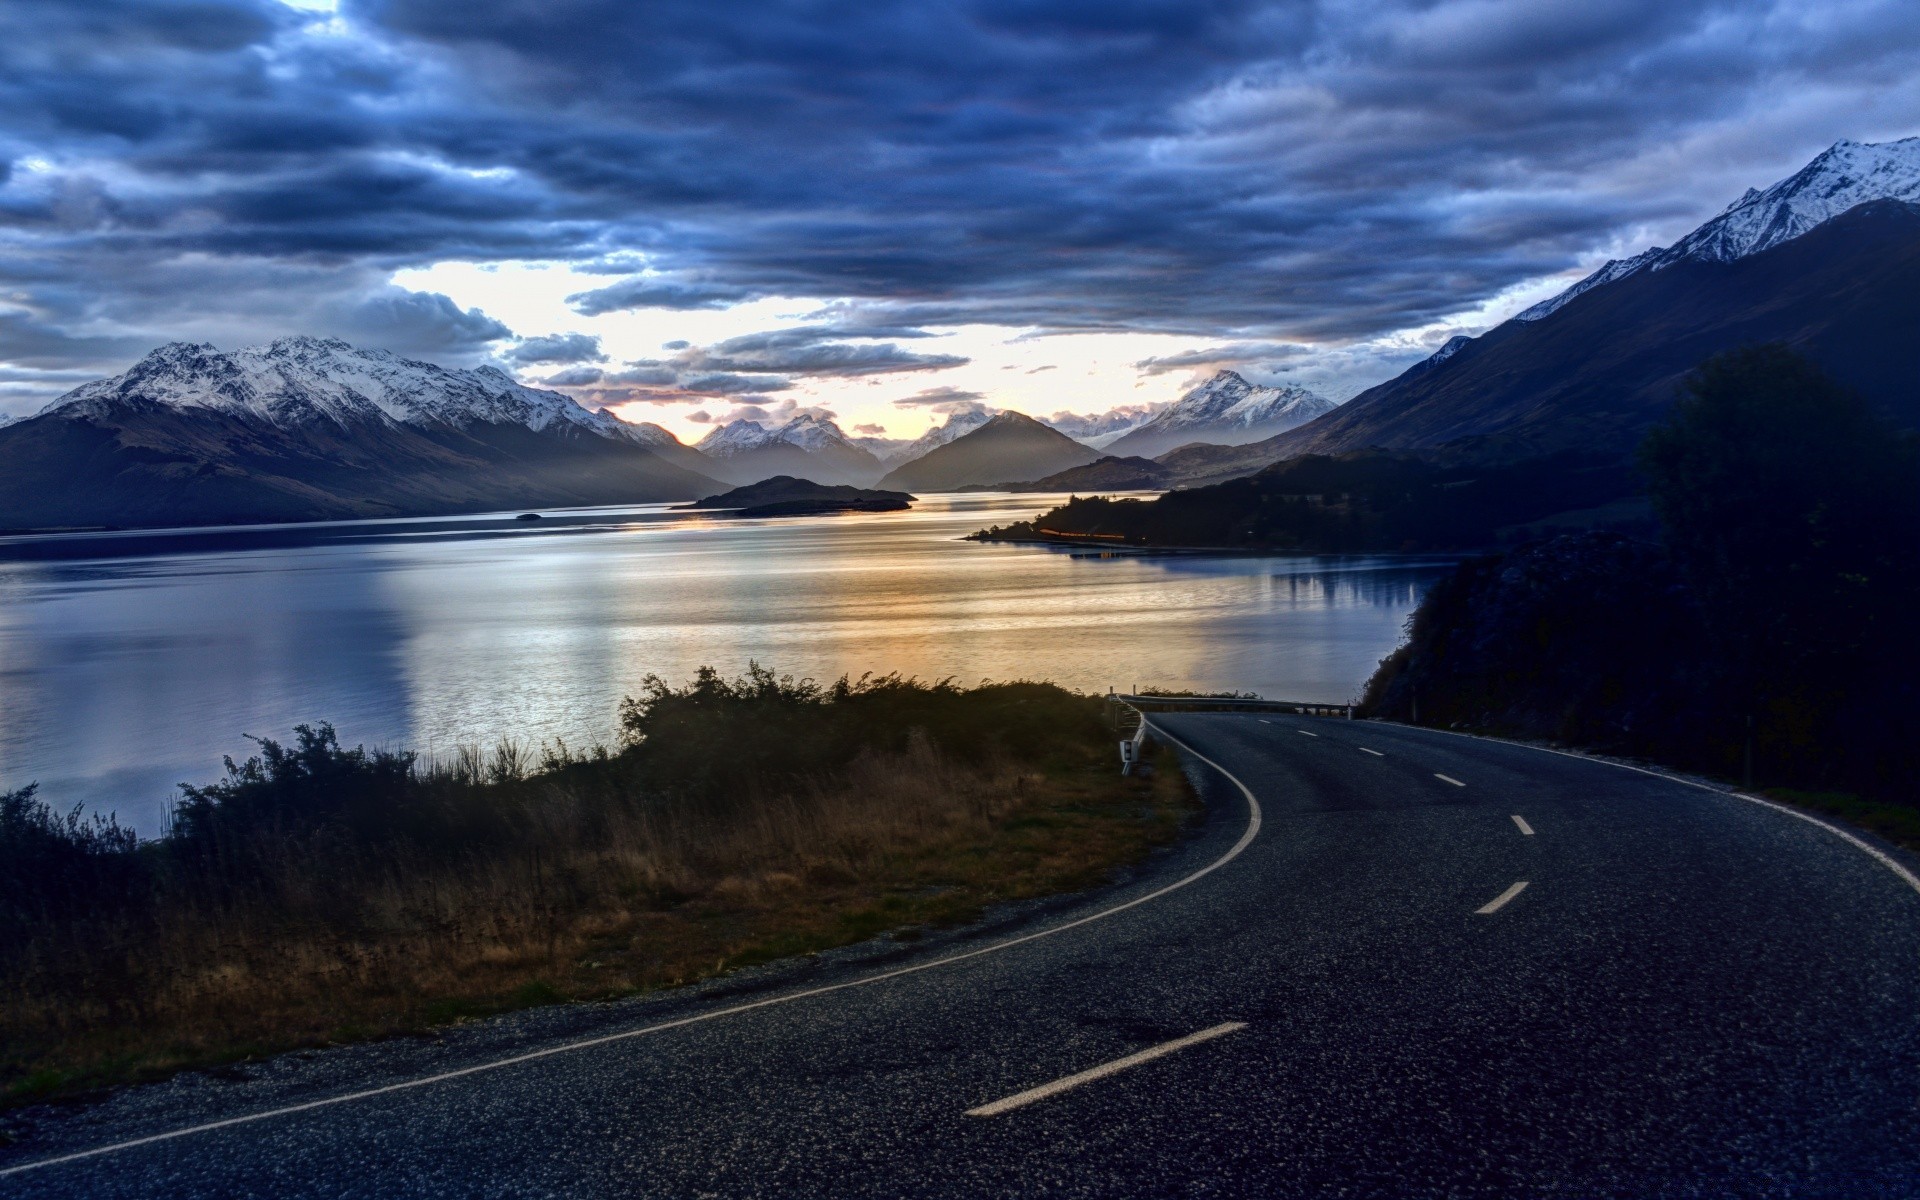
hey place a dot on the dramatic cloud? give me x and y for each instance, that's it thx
(1292, 172)
(941, 399)
(1222, 356)
(418, 323)
(556, 348)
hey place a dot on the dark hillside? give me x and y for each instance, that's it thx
(1596, 374)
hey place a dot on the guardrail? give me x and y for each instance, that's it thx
(1130, 720)
(1305, 708)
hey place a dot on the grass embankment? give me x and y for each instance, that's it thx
(319, 894)
(1897, 823)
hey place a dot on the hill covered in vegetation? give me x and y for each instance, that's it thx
(1369, 501)
(1769, 628)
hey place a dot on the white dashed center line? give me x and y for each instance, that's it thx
(1264, 721)
(1499, 902)
(1448, 779)
(1308, 734)
(1101, 1072)
(1375, 753)
(1522, 823)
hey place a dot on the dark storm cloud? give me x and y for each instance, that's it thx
(815, 351)
(649, 292)
(1283, 171)
(419, 323)
(555, 348)
(1214, 356)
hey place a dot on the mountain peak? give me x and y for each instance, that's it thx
(1226, 410)
(298, 381)
(1842, 177)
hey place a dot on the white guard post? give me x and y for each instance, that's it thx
(1130, 748)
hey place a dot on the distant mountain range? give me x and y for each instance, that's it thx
(1827, 261)
(313, 429)
(809, 447)
(1224, 411)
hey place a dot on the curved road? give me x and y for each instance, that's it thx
(1334, 989)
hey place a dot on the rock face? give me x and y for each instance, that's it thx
(785, 496)
(315, 429)
(1224, 411)
(1011, 447)
(807, 447)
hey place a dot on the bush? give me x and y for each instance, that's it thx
(54, 865)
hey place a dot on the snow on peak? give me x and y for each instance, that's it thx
(1228, 401)
(1844, 176)
(807, 431)
(646, 433)
(296, 381)
(811, 433)
(958, 424)
(735, 437)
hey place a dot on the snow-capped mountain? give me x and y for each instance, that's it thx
(297, 381)
(957, 425)
(808, 447)
(1447, 350)
(1100, 429)
(1225, 410)
(1845, 176)
(316, 429)
(806, 431)
(661, 441)
(7, 419)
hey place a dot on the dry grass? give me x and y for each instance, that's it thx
(595, 898)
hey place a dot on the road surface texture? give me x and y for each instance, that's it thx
(1337, 987)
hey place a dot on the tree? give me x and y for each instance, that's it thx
(1793, 510)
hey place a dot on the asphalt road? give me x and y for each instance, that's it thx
(1320, 994)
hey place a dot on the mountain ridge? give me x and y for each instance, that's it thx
(1225, 410)
(315, 429)
(1009, 447)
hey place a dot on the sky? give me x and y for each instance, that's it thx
(889, 210)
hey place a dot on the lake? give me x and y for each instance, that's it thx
(131, 662)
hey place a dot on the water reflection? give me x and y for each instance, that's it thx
(131, 662)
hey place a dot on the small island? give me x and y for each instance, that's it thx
(786, 496)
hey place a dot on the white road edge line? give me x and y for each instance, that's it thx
(1884, 859)
(1448, 779)
(1499, 902)
(1375, 753)
(1522, 823)
(1020, 1099)
(1246, 839)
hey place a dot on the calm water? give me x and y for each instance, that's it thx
(131, 662)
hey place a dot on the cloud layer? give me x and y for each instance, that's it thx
(1249, 173)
